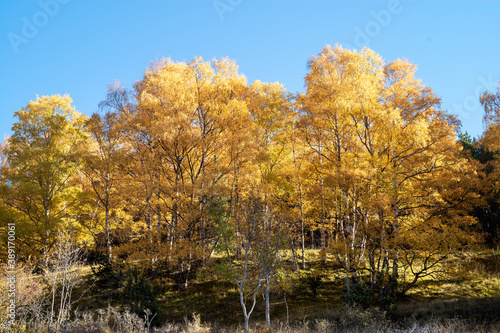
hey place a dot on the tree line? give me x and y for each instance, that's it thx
(193, 161)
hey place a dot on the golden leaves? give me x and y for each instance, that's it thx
(41, 164)
(363, 152)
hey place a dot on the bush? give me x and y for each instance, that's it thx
(30, 297)
(382, 294)
(138, 292)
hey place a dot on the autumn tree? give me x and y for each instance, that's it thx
(379, 149)
(341, 95)
(102, 158)
(487, 151)
(186, 131)
(491, 104)
(38, 177)
(277, 158)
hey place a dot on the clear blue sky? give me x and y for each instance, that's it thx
(79, 47)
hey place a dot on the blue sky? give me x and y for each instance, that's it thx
(79, 47)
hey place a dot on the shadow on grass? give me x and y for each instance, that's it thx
(477, 309)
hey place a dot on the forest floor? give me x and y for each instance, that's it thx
(465, 299)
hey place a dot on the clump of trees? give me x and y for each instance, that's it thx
(364, 166)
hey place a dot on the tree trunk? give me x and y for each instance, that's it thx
(313, 245)
(150, 231)
(108, 239)
(294, 254)
(268, 308)
(301, 205)
(395, 228)
(347, 278)
(246, 323)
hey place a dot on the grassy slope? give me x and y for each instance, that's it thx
(471, 292)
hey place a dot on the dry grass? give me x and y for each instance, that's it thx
(350, 320)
